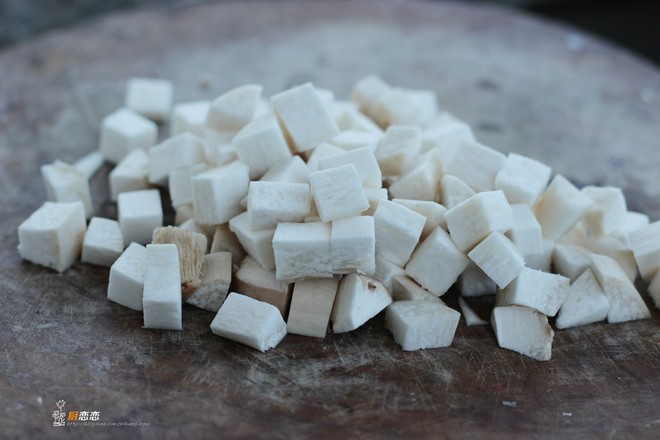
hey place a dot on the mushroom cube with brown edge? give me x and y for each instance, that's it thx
(191, 247)
(311, 306)
(523, 330)
(253, 280)
(215, 282)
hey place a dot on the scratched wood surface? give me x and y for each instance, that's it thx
(586, 108)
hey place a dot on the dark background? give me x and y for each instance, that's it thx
(633, 24)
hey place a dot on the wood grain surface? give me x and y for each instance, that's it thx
(586, 108)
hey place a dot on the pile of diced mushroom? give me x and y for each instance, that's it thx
(318, 211)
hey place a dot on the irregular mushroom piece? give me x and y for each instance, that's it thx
(386, 271)
(523, 330)
(626, 304)
(471, 318)
(474, 282)
(191, 247)
(257, 244)
(250, 322)
(416, 325)
(585, 303)
(405, 289)
(645, 244)
(214, 285)
(359, 299)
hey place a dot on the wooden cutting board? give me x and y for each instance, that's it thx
(590, 110)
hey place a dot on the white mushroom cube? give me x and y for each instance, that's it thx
(292, 169)
(189, 116)
(367, 92)
(626, 304)
(607, 213)
(374, 196)
(359, 298)
(257, 244)
(180, 184)
(386, 271)
(127, 277)
(150, 97)
(131, 174)
(436, 263)
(161, 298)
(570, 261)
(216, 278)
(586, 303)
(397, 231)
(398, 149)
(471, 221)
(176, 152)
(355, 139)
(65, 183)
(306, 119)
(454, 191)
(311, 306)
(543, 291)
(302, 250)
(420, 183)
(261, 144)
(405, 289)
(525, 232)
(53, 235)
(522, 179)
(89, 164)
(261, 284)
(245, 320)
(234, 109)
(364, 161)
(632, 222)
(523, 330)
(542, 261)
(324, 149)
(338, 192)
(618, 250)
(124, 130)
(416, 325)
(474, 282)
(217, 193)
(475, 164)
(645, 244)
(270, 203)
(103, 242)
(139, 213)
(499, 258)
(434, 213)
(560, 207)
(353, 245)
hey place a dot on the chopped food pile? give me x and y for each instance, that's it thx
(303, 212)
